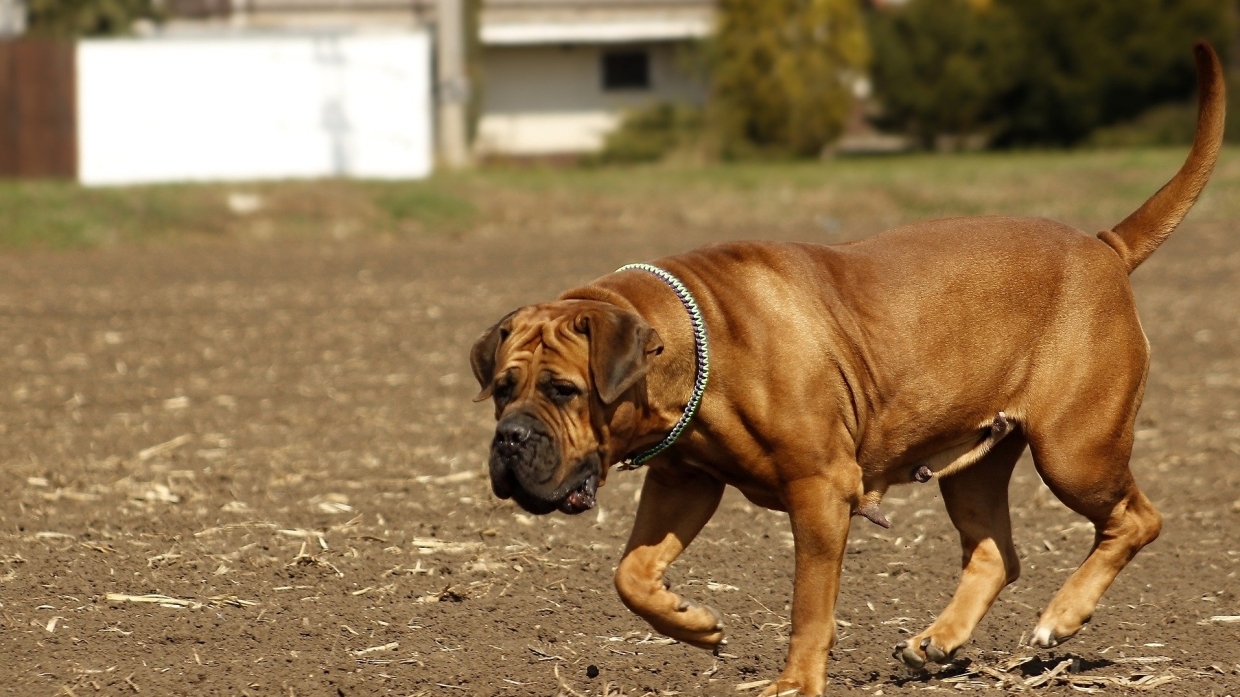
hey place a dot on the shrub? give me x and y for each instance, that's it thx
(782, 72)
(939, 64)
(1165, 124)
(1037, 71)
(69, 18)
(653, 133)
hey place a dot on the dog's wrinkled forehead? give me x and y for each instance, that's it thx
(598, 347)
(542, 335)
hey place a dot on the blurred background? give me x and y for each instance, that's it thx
(365, 94)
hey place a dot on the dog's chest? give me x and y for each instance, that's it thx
(757, 492)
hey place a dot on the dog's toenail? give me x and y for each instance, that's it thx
(902, 645)
(909, 658)
(684, 605)
(924, 643)
(937, 655)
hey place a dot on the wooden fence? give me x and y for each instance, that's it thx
(38, 109)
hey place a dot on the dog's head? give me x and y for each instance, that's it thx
(562, 376)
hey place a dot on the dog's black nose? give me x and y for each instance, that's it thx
(509, 435)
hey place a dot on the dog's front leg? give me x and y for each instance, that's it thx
(819, 511)
(676, 502)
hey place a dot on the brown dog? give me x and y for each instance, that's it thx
(940, 348)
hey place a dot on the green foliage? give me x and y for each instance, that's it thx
(781, 69)
(1037, 71)
(1165, 124)
(70, 18)
(422, 202)
(52, 214)
(939, 65)
(58, 214)
(654, 133)
(1087, 188)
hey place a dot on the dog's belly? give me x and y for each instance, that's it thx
(962, 454)
(943, 454)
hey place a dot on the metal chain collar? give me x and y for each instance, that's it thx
(701, 350)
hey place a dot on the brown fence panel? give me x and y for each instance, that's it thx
(38, 109)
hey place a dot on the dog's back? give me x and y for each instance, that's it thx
(957, 319)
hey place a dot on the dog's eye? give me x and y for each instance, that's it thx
(503, 392)
(562, 392)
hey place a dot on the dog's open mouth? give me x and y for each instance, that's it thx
(582, 498)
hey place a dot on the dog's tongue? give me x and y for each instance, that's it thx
(582, 498)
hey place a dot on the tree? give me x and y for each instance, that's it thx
(940, 65)
(69, 18)
(1037, 71)
(783, 72)
(1097, 62)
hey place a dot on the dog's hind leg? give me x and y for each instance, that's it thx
(676, 503)
(977, 502)
(1088, 470)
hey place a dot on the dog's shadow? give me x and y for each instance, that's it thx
(1080, 664)
(1035, 666)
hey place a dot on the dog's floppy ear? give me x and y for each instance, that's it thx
(482, 355)
(621, 343)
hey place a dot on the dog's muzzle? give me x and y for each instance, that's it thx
(524, 461)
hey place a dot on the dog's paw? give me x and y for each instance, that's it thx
(790, 687)
(1047, 638)
(1052, 631)
(1044, 638)
(907, 655)
(916, 654)
(697, 624)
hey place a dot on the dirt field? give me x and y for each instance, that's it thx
(278, 438)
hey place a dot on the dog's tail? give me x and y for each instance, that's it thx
(1136, 238)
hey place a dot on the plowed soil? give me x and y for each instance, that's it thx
(237, 468)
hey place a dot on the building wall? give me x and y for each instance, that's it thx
(545, 100)
(254, 107)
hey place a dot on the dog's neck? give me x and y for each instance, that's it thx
(669, 383)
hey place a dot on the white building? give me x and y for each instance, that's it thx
(220, 107)
(558, 75)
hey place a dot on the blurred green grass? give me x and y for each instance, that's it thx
(1088, 188)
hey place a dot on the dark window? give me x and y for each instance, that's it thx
(626, 70)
